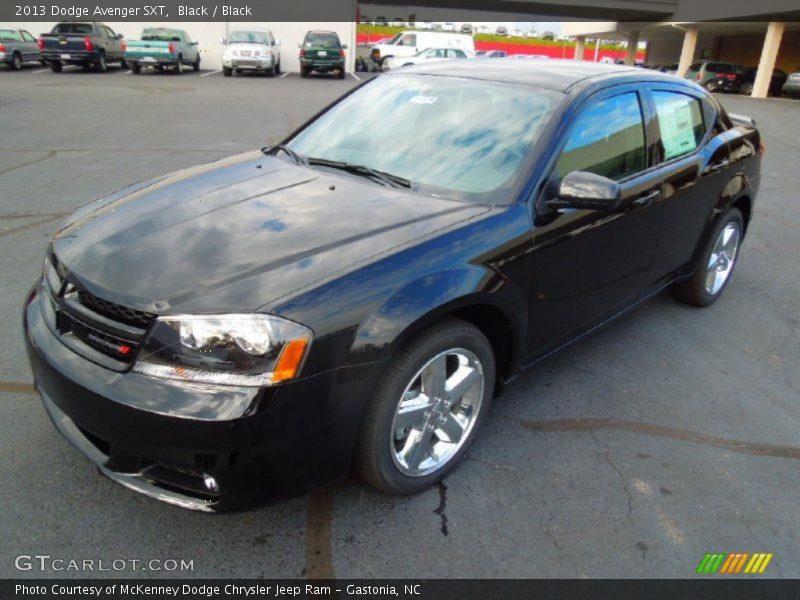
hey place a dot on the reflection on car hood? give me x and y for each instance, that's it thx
(239, 233)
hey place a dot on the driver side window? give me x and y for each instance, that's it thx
(607, 139)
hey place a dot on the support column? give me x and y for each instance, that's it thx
(580, 47)
(772, 42)
(688, 50)
(633, 47)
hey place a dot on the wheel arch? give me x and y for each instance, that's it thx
(493, 306)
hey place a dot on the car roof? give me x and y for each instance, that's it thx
(559, 75)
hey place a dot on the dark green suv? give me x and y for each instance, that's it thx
(322, 51)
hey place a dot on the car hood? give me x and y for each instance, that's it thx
(239, 233)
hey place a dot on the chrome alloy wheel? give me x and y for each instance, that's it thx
(437, 412)
(722, 259)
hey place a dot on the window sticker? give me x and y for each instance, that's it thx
(677, 129)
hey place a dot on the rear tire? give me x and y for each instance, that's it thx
(341, 73)
(714, 266)
(179, 66)
(56, 66)
(271, 71)
(123, 63)
(413, 435)
(746, 89)
(304, 72)
(101, 66)
(16, 62)
(136, 68)
(196, 63)
(278, 68)
(227, 71)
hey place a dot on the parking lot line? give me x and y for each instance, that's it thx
(40, 71)
(124, 73)
(356, 77)
(285, 73)
(210, 73)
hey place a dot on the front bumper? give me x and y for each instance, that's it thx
(165, 439)
(247, 62)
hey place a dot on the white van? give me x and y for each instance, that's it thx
(409, 43)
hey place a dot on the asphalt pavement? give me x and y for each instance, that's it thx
(668, 434)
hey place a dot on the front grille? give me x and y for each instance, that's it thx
(91, 325)
(109, 345)
(115, 312)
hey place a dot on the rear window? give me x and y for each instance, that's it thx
(322, 40)
(76, 28)
(722, 68)
(10, 35)
(160, 35)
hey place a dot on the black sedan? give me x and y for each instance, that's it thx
(356, 296)
(742, 82)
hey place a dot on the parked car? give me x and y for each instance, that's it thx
(88, 44)
(409, 43)
(426, 56)
(671, 69)
(492, 53)
(162, 47)
(18, 47)
(742, 82)
(381, 22)
(792, 85)
(450, 27)
(501, 30)
(466, 28)
(251, 51)
(705, 71)
(533, 56)
(222, 336)
(321, 51)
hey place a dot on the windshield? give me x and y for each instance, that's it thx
(460, 138)
(10, 35)
(160, 35)
(248, 37)
(322, 40)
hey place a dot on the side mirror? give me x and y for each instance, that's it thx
(581, 189)
(276, 43)
(120, 36)
(344, 46)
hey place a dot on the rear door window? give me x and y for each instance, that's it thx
(681, 120)
(607, 139)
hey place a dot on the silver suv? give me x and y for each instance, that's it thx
(251, 51)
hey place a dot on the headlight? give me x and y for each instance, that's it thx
(242, 350)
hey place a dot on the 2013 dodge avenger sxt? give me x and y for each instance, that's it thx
(357, 295)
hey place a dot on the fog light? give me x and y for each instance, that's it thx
(211, 483)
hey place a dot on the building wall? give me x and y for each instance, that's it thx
(746, 50)
(666, 52)
(208, 34)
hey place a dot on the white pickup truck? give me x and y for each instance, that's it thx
(410, 43)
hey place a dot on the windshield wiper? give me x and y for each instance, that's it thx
(381, 176)
(273, 150)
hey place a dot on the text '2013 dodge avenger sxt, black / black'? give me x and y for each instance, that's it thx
(357, 295)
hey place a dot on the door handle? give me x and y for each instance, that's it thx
(718, 166)
(647, 198)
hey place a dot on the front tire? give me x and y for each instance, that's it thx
(427, 408)
(714, 266)
(227, 71)
(196, 63)
(136, 68)
(16, 62)
(56, 66)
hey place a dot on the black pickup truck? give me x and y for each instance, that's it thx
(89, 44)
